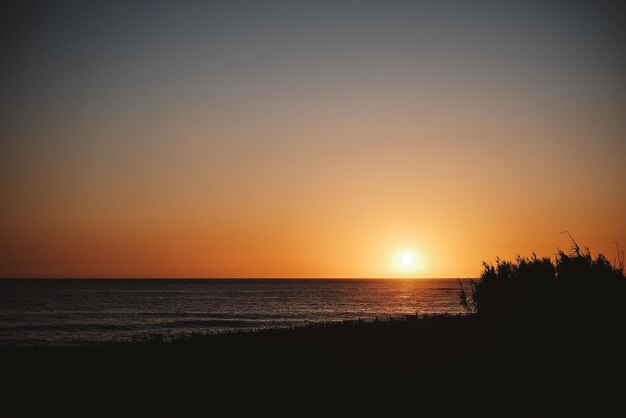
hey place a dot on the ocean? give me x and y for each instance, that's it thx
(77, 311)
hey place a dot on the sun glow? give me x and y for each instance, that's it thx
(407, 261)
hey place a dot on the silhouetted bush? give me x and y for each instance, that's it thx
(574, 283)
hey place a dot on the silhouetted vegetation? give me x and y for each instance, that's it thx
(569, 285)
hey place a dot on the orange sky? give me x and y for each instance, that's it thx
(245, 153)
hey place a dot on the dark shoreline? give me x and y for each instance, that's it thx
(208, 339)
(336, 330)
(425, 359)
(392, 345)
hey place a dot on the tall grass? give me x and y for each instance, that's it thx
(573, 282)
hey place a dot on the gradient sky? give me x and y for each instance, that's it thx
(307, 139)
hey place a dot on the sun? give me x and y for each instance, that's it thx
(407, 261)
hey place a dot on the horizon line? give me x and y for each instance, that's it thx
(225, 278)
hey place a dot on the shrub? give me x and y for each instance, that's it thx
(573, 282)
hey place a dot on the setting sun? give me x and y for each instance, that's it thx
(407, 261)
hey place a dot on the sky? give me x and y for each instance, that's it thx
(307, 139)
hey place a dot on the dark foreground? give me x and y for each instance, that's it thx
(400, 346)
(446, 352)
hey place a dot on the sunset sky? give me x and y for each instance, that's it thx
(307, 139)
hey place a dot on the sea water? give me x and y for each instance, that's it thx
(77, 311)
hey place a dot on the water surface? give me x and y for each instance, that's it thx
(76, 311)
